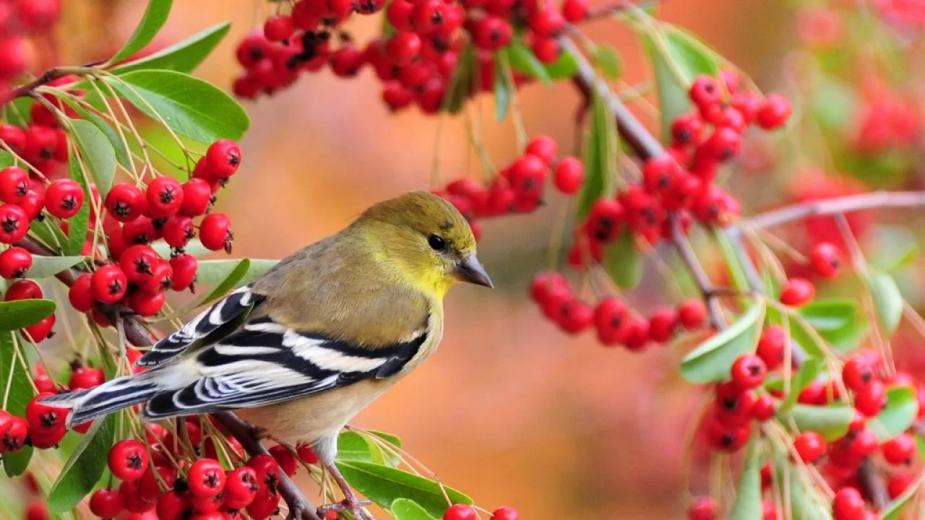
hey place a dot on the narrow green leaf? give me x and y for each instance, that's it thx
(383, 485)
(600, 150)
(404, 509)
(151, 22)
(806, 502)
(97, 152)
(190, 106)
(20, 111)
(17, 314)
(623, 262)
(84, 467)
(888, 301)
(46, 266)
(503, 87)
(734, 260)
(897, 416)
(524, 61)
(747, 505)
(183, 56)
(711, 360)
(829, 421)
(353, 446)
(565, 66)
(213, 272)
(607, 60)
(461, 82)
(79, 224)
(118, 146)
(807, 373)
(20, 393)
(6, 159)
(394, 440)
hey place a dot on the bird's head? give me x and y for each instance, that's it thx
(426, 239)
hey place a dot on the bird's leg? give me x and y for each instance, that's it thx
(350, 501)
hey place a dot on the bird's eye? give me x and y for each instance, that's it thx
(437, 243)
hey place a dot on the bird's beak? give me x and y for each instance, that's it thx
(470, 270)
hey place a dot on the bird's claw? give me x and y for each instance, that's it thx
(355, 506)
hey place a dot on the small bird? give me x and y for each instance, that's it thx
(299, 352)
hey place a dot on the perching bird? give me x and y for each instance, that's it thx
(302, 350)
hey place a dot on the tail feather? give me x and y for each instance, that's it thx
(104, 399)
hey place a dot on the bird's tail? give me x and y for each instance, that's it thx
(109, 397)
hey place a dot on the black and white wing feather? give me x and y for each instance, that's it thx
(265, 362)
(227, 311)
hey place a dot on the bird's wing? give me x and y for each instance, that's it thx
(226, 312)
(265, 362)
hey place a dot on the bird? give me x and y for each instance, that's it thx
(325, 332)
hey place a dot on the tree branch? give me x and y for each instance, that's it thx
(300, 508)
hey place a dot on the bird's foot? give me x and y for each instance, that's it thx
(352, 504)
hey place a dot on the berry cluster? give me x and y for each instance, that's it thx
(464, 512)
(19, 21)
(519, 186)
(418, 54)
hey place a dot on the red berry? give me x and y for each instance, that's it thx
(206, 478)
(748, 371)
(37, 510)
(178, 230)
(14, 262)
(771, 346)
(285, 458)
(23, 290)
(870, 399)
(128, 459)
(764, 408)
(64, 198)
(14, 223)
(125, 202)
(860, 370)
(704, 91)
(810, 446)
(184, 271)
(14, 184)
(824, 258)
(687, 129)
(575, 10)
(505, 513)
(264, 504)
(13, 432)
(899, 483)
(612, 321)
(215, 232)
(159, 279)
(131, 501)
(774, 112)
(491, 33)
(403, 47)
(460, 512)
(172, 505)
(703, 508)
(15, 138)
(848, 504)
(145, 304)
(197, 195)
(797, 291)
(733, 405)
(80, 293)
(241, 488)
(278, 28)
(32, 204)
(106, 503)
(307, 454)
(692, 314)
(137, 261)
(38, 15)
(164, 196)
(85, 377)
(109, 283)
(899, 449)
(223, 158)
(722, 144)
(543, 147)
(41, 330)
(728, 438)
(662, 324)
(569, 175)
(46, 422)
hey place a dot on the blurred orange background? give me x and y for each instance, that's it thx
(510, 409)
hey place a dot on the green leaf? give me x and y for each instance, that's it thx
(524, 61)
(17, 314)
(897, 416)
(888, 301)
(829, 421)
(600, 151)
(623, 262)
(183, 56)
(20, 393)
(193, 247)
(747, 505)
(838, 321)
(565, 66)
(353, 446)
(734, 260)
(677, 58)
(6, 159)
(79, 224)
(383, 485)
(84, 467)
(394, 440)
(802, 332)
(607, 60)
(97, 153)
(806, 502)
(461, 82)
(118, 146)
(404, 509)
(711, 360)
(151, 22)
(214, 272)
(189, 106)
(46, 266)
(503, 86)
(807, 373)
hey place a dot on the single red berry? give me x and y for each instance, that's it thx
(774, 112)
(403, 47)
(172, 505)
(899, 449)
(184, 268)
(728, 437)
(722, 144)
(14, 184)
(546, 49)
(612, 321)
(797, 291)
(109, 283)
(106, 503)
(38, 15)
(164, 196)
(46, 422)
(285, 458)
(42, 329)
(13, 432)
(848, 504)
(505, 513)
(80, 293)
(575, 10)
(703, 508)
(23, 290)
(85, 377)
(460, 512)
(764, 408)
(178, 231)
(307, 454)
(64, 198)
(278, 28)
(491, 33)
(14, 137)
(825, 259)
(223, 158)
(206, 478)
(692, 313)
(139, 231)
(733, 405)
(15, 262)
(37, 510)
(704, 91)
(137, 261)
(810, 446)
(159, 279)
(569, 175)
(14, 223)
(241, 487)
(687, 129)
(870, 399)
(748, 371)
(32, 204)
(128, 459)
(662, 324)
(125, 202)
(860, 370)
(264, 504)
(899, 483)
(131, 501)
(543, 148)
(604, 220)
(771, 346)
(146, 304)
(197, 196)
(215, 232)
